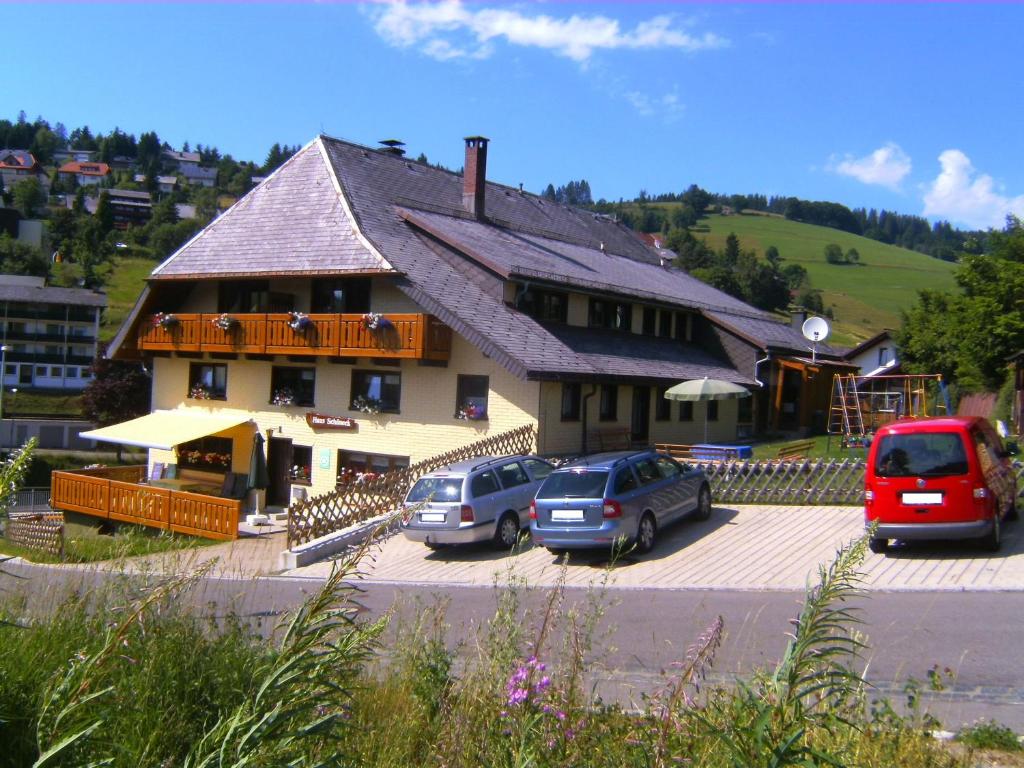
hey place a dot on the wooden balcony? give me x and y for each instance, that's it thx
(119, 493)
(414, 336)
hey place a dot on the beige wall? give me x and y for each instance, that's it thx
(557, 436)
(425, 427)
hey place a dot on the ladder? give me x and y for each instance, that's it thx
(845, 416)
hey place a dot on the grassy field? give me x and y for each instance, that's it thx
(124, 285)
(866, 297)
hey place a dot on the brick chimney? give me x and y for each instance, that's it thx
(474, 176)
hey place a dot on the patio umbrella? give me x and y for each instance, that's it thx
(706, 389)
(258, 475)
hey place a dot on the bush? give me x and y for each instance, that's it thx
(989, 735)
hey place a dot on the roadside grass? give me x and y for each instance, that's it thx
(988, 734)
(127, 541)
(127, 674)
(124, 284)
(866, 297)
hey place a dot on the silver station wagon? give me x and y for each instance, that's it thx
(482, 499)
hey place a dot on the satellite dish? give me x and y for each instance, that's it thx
(815, 329)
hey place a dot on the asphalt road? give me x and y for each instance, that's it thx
(973, 634)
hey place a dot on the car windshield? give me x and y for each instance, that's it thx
(930, 454)
(574, 484)
(436, 489)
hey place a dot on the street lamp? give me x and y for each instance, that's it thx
(14, 391)
(3, 372)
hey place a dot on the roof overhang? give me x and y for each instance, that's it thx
(165, 429)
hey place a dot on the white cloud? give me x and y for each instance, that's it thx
(963, 196)
(667, 105)
(448, 30)
(887, 166)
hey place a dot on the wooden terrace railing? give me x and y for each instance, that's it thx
(118, 493)
(415, 336)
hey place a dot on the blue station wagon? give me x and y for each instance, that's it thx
(609, 497)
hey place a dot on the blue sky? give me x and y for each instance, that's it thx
(915, 107)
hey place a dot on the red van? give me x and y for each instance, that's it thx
(941, 478)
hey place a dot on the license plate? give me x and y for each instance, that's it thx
(922, 498)
(432, 517)
(567, 515)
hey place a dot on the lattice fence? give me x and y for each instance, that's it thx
(356, 502)
(810, 482)
(41, 532)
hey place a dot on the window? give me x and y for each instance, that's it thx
(374, 391)
(605, 313)
(682, 326)
(625, 481)
(662, 406)
(208, 381)
(243, 296)
(292, 386)
(483, 484)
(665, 324)
(712, 410)
(571, 401)
(302, 464)
(56, 371)
(343, 295)
(685, 410)
(649, 321)
(10, 369)
(512, 474)
(40, 371)
(883, 356)
(471, 397)
(647, 471)
(544, 305)
(352, 465)
(609, 402)
(668, 467)
(539, 469)
(207, 453)
(72, 371)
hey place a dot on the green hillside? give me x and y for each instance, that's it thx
(124, 284)
(865, 297)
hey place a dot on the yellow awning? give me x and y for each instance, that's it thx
(165, 429)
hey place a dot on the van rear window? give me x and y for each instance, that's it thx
(436, 489)
(931, 454)
(574, 485)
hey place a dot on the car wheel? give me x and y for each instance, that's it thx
(434, 545)
(506, 533)
(646, 533)
(878, 546)
(993, 540)
(703, 504)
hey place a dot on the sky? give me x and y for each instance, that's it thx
(910, 107)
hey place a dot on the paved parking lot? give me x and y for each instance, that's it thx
(740, 547)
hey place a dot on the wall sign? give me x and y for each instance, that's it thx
(323, 421)
(325, 458)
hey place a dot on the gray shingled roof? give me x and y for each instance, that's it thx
(452, 265)
(293, 223)
(76, 297)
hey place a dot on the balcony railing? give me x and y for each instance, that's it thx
(415, 336)
(118, 493)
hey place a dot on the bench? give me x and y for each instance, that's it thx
(795, 451)
(610, 439)
(694, 453)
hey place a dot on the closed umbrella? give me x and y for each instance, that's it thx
(702, 390)
(258, 475)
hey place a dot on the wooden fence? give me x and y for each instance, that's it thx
(355, 502)
(115, 493)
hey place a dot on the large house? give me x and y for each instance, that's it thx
(48, 335)
(85, 173)
(18, 164)
(363, 311)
